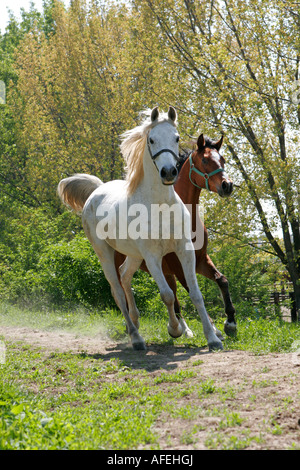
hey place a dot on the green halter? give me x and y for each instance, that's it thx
(206, 176)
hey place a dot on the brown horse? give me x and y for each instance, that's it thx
(202, 168)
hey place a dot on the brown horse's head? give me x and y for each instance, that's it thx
(207, 167)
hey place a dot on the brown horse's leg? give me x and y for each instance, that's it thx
(119, 260)
(171, 280)
(208, 269)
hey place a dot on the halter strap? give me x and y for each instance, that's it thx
(162, 151)
(153, 157)
(206, 176)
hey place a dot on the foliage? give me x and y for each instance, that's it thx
(24, 234)
(77, 91)
(70, 271)
(14, 180)
(48, 260)
(75, 79)
(66, 271)
(237, 65)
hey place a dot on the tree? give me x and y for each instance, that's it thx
(80, 76)
(238, 64)
(77, 91)
(13, 179)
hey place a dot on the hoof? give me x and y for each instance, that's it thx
(137, 342)
(175, 333)
(216, 346)
(139, 346)
(230, 328)
(188, 333)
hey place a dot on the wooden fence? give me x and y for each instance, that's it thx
(282, 297)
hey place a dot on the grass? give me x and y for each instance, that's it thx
(68, 401)
(177, 377)
(233, 442)
(80, 401)
(260, 336)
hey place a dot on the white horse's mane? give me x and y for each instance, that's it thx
(133, 146)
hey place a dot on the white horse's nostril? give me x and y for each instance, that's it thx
(169, 173)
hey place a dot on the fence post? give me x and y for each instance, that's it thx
(276, 298)
(293, 308)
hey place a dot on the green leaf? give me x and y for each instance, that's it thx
(18, 409)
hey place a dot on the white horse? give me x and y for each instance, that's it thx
(151, 153)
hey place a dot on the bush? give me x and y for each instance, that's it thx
(24, 235)
(70, 271)
(48, 259)
(248, 277)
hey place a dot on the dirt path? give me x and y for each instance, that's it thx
(267, 387)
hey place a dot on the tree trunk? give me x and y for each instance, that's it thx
(296, 300)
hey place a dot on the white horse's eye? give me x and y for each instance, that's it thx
(177, 138)
(151, 141)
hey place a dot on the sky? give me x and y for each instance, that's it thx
(15, 6)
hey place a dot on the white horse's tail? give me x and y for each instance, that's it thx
(75, 190)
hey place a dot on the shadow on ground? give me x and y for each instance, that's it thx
(156, 357)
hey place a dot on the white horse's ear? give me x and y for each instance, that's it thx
(218, 145)
(172, 113)
(154, 113)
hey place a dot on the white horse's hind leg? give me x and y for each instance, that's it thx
(106, 257)
(127, 270)
(174, 327)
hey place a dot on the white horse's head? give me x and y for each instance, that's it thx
(163, 145)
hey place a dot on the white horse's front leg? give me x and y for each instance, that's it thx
(187, 259)
(154, 265)
(127, 270)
